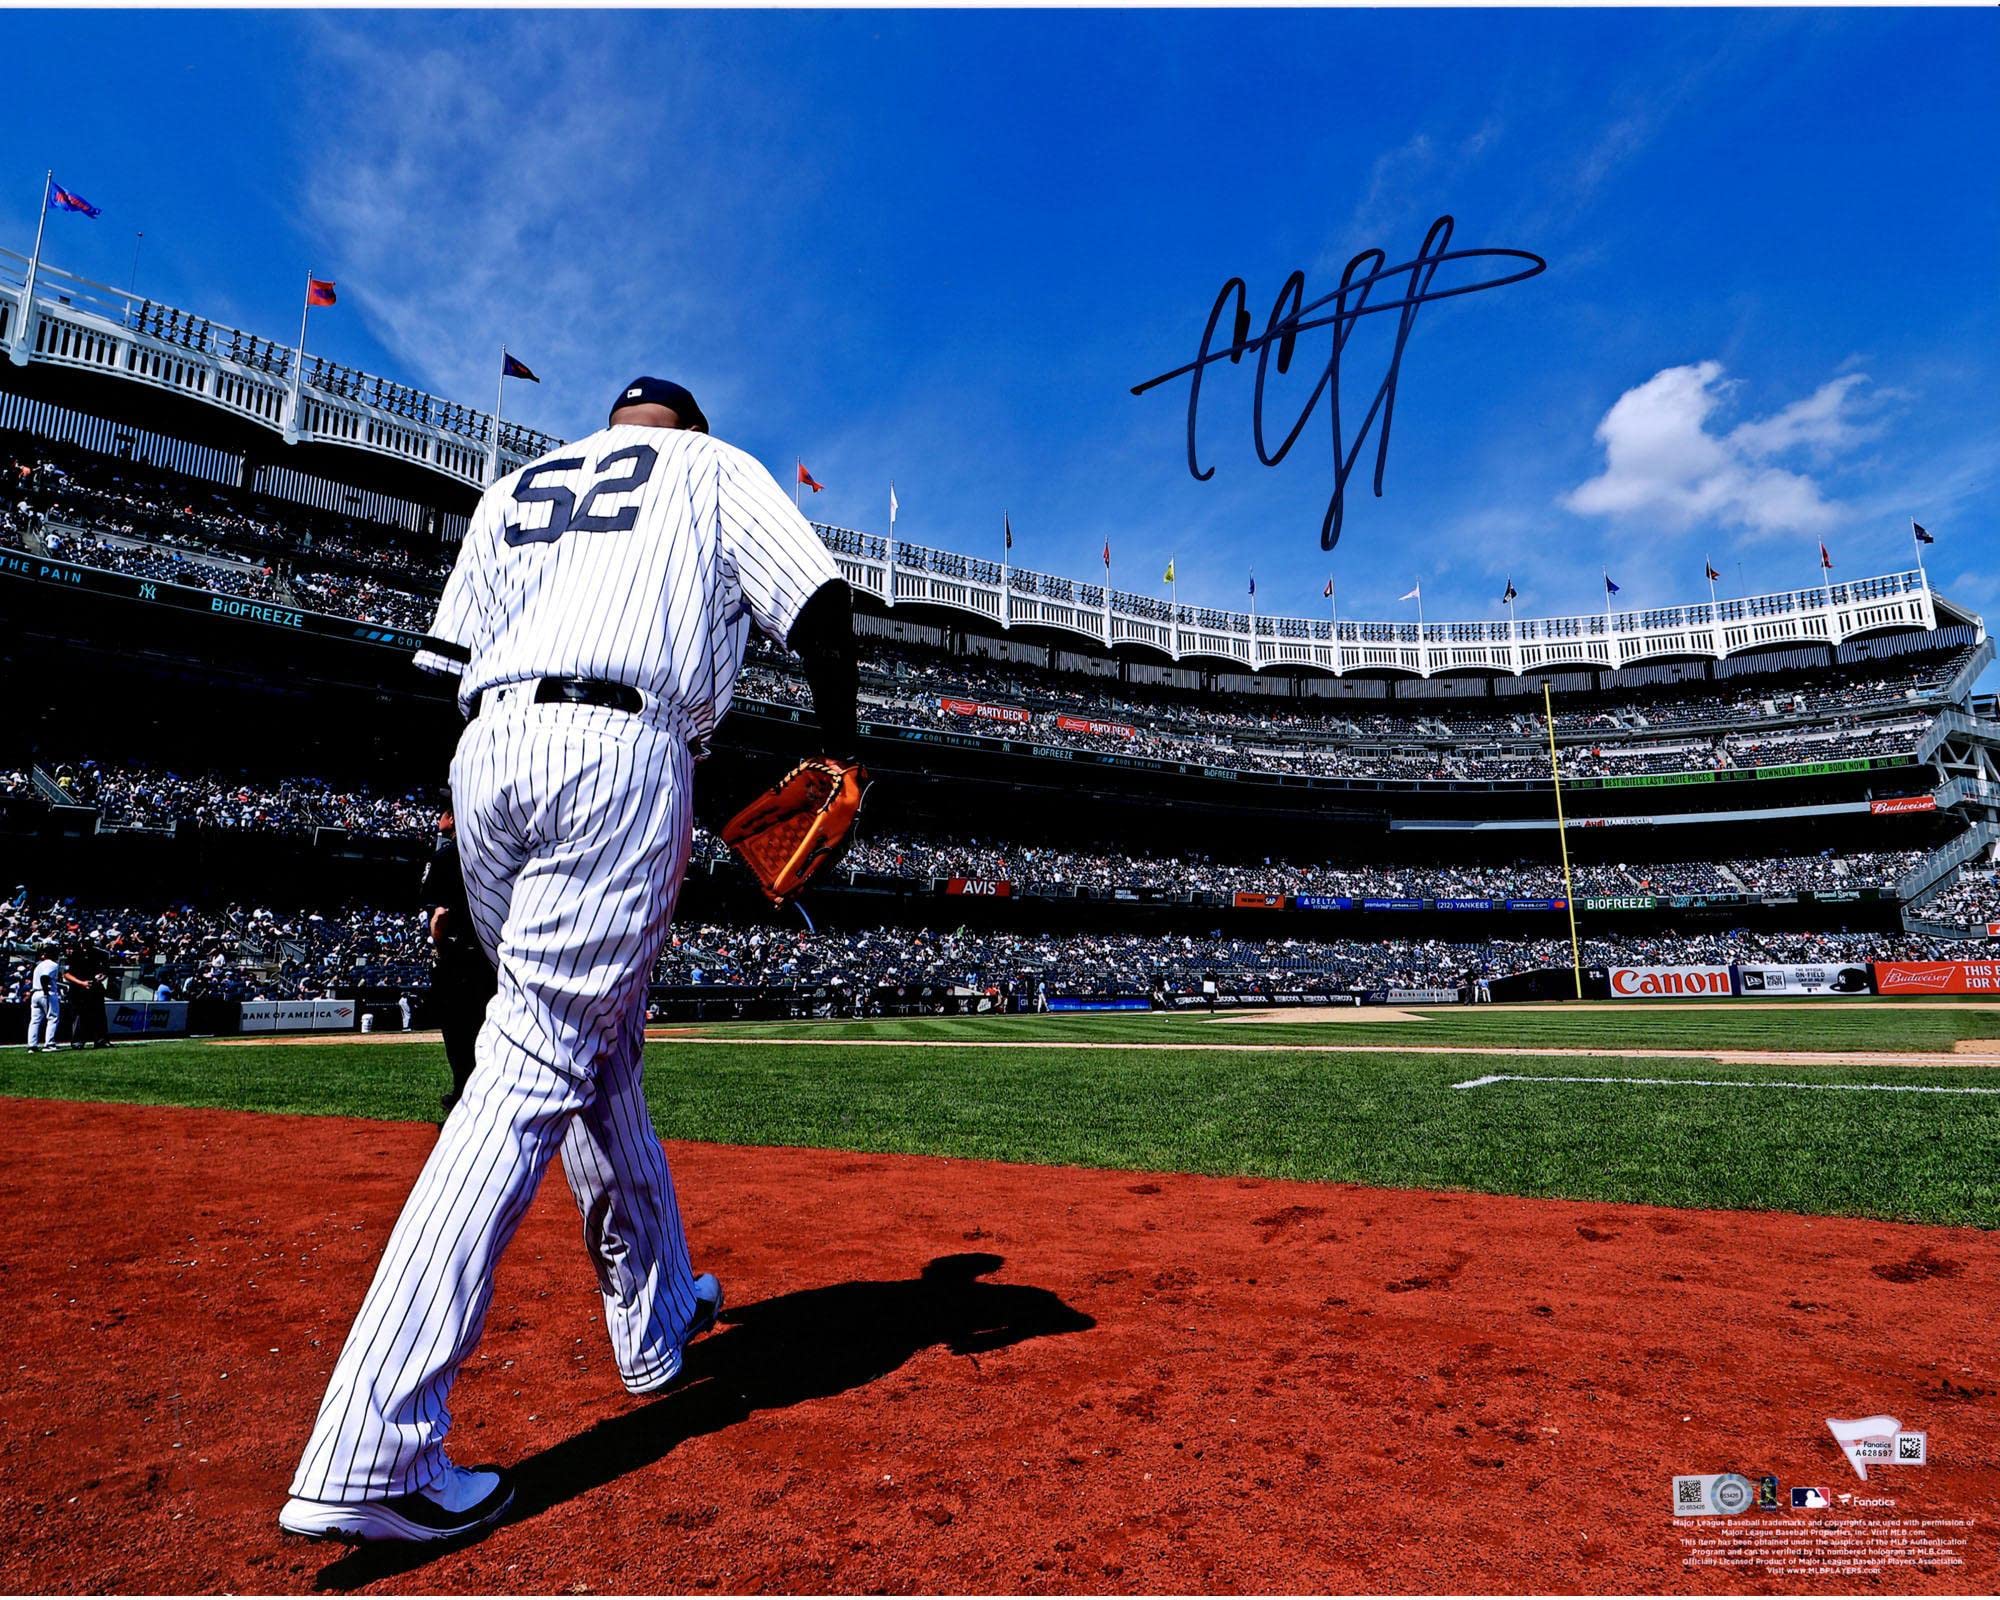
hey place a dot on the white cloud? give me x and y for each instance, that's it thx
(509, 191)
(1664, 462)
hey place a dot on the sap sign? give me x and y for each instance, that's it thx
(1653, 981)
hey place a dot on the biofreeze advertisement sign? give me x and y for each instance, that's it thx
(1660, 982)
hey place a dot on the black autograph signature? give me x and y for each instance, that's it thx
(1349, 303)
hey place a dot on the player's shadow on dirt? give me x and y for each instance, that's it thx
(766, 1356)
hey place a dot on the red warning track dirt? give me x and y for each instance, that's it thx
(965, 1376)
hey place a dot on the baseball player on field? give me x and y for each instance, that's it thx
(597, 616)
(45, 1001)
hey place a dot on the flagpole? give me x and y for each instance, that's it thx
(499, 398)
(1423, 644)
(1333, 619)
(1714, 608)
(798, 466)
(1174, 601)
(1562, 838)
(889, 587)
(299, 356)
(1610, 642)
(34, 268)
(1253, 621)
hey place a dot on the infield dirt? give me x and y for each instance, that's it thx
(957, 1375)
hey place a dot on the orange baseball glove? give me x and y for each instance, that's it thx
(800, 826)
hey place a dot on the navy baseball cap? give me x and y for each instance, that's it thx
(661, 392)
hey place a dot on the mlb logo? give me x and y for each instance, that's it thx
(1809, 1500)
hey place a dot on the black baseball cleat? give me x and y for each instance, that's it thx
(464, 1501)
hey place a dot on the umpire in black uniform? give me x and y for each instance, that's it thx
(462, 979)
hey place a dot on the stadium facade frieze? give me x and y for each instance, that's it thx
(897, 574)
(1002, 746)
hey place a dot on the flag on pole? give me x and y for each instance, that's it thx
(1007, 530)
(1327, 592)
(1923, 537)
(1610, 588)
(1168, 576)
(1253, 586)
(319, 292)
(1825, 560)
(1415, 594)
(806, 478)
(1708, 566)
(61, 199)
(894, 504)
(512, 368)
(1107, 555)
(1510, 596)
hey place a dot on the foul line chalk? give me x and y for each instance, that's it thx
(1727, 1083)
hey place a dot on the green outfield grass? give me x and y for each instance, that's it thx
(1392, 1118)
(1832, 1025)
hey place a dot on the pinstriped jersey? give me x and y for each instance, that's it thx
(637, 556)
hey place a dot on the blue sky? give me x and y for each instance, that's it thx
(941, 248)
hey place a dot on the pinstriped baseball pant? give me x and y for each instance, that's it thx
(574, 832)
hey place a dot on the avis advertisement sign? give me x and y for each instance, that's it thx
(1634, 983)
(985, 712)
(1901, 803)
(997, 888)
(1937, 977)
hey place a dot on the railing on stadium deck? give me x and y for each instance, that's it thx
(89, 326)
(81, 324)
(1011, 597)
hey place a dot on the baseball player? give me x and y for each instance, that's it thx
(45, 1001)
(597, 615)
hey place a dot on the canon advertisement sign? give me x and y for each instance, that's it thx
(1643, 982)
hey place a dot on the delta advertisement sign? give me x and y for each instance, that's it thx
(983, 711)
(1937, 977)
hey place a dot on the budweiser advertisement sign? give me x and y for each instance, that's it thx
(1121, 730)
(998, 888)
(1653, 982)
(987, 713)
(1257, 900)
(1937, 977)
(1902, 802)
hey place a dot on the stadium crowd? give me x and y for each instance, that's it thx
(236, 952)
(135, 795)
(244, 952)
(923, 857)
(1971, 900)
(905, 689)
(124, 516)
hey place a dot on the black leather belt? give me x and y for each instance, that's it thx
(579, 692)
